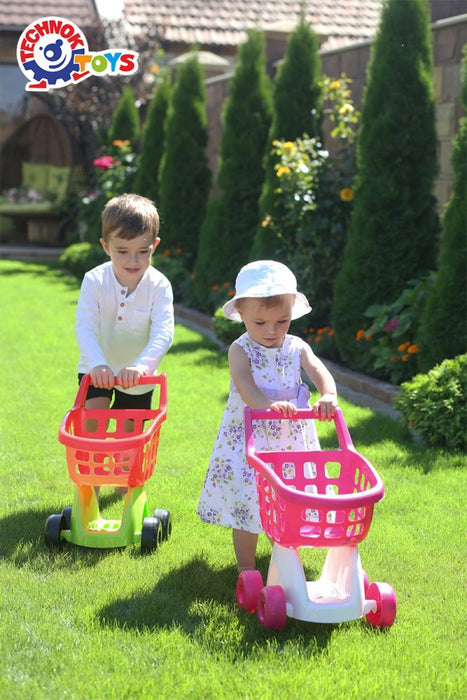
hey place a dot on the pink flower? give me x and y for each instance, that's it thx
(392, 325)
(103, 163)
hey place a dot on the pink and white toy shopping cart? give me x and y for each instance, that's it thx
(314, 499)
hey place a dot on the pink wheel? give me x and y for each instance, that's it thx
(386, 604)
(249, 585)
(271, 610)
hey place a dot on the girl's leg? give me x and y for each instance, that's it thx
(245, 548)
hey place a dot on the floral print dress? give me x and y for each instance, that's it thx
(229, 494)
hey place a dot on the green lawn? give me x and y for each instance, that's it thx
(81, 623)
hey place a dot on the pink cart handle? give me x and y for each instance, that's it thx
(160, 379)
(343, 435)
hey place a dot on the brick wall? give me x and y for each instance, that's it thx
(449, 36)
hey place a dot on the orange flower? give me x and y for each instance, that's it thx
(121, 144)
(231, 293)
(403, 346)
(404, 358)
(346, 194)
(331, 333)
(412, 349)
(360, 334)
(215, 287)
(166, 253)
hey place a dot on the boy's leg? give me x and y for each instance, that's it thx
(245, 549)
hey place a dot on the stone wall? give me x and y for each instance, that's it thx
(449, 36)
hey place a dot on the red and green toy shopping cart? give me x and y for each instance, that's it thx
(314, 499)
(116, 448)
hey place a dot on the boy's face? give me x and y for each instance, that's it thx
(267, 326)
(130, 257)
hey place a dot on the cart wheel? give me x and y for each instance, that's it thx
(53, 527)
(249, 585)
(271, 610)
(386, 604)
(166, 522)
(151, 535)
(66, 513)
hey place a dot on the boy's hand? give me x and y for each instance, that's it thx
(287, 408)
(325, 407)
(128, 377)
(102, 377)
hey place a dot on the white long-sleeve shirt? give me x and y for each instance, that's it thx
(124, 331)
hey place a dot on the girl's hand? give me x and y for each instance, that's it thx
(102, 377)
(128, 377)
(287, 408)
(325, 407)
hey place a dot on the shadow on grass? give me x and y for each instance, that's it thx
(22, 538)
(201, 601)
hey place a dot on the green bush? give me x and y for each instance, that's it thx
(394, 226)
(125, 119)
(229, 226)
(78, 258)
(297, 102)
(443, 331)
(185, 178)
(227, 331)
(172, 264)
(434, 404)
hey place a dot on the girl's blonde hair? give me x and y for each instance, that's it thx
(129, 216)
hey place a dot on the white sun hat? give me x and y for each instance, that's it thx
(266, 278)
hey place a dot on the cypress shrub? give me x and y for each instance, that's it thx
(443, 324)
(296, 111)
(228, 231)
(185, 177)
(394, 225)
(125, 119)
(152, 144)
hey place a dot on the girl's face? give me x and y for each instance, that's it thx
(267, 325)
(130, 257)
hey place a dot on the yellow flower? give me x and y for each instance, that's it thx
(335, 84)
(346, 109)
(155, 68)
(266, 221)
(282, 170)
(346, 194)
(121, 144)
(289, 146)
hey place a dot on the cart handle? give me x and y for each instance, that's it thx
(343, 435)
(160, 379)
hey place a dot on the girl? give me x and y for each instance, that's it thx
(265, 367)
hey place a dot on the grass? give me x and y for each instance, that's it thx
(80, 623)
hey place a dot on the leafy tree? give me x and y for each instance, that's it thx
(152, 145)
(442, 327)
(296, 111)
(229, 227)
(185, 177)
(125, 119)
(394, 225)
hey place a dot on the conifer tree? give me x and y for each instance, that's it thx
(443, 331)
(394, 225)
(125, 119)
(185, 177)
(230, 224)
(152, 144)
(296, 111)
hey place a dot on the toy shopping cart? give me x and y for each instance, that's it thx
(314, 499)
(116, 448)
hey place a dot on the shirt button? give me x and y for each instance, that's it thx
(122, 292)
(122, 303)
(119, 318)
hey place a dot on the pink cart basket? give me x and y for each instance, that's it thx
(314, 499)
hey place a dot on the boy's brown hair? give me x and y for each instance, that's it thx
(129, 216)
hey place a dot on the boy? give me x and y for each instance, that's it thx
(124, 317)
